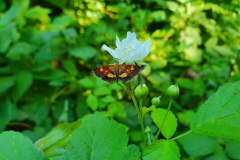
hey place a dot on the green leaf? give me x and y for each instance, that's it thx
(219, 116)
(19, 51)
(224, 50)
(158, 15)
(186, 117)
(92, 101)
(8, 35)
(54, 143)
(170, 124)
(39, 13)
(102, 91)
(162, 149)
(83, 52)
(10, 15)
(198, 145)
(70, 67)
(2, 5)
(197, 86)
(133, 152)
(50, 75)
(7, 111)
(232, 150)
(100, 138)
(145, 110)
(23, 82)
(6, 83)
(86, 82)
(15, 146)
(70, 34)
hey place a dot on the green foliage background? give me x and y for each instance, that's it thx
(48, 49)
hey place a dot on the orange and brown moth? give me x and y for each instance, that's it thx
(117, 72)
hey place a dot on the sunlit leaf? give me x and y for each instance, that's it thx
(162, 149)
(92, 101)
(15, 146)
(54, 143)
(100, 138)
(170, 124)
(220, 114)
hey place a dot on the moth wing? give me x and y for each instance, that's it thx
(127, 72)
(106, 73)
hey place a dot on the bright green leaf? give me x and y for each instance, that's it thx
(108, 99)
(102, 91)
(162, 149)
(100, 138)
(158, 15)
(198, 145)
(220, 115)
(39, 13)
(224, 50)
(92, 101)
(54, 143)
(145, 110)
(15, 146)
(170, 125)
(86, 82)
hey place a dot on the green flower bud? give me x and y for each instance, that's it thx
(141, 91)
(173, 91)
(148, 130)
(156, 101)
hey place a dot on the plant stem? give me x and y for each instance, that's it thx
(181, 135)
(141, 120)
(134, 99)
(165, 117)
(138, 110)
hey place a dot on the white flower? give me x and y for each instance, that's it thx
(129, 50)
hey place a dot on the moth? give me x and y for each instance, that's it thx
(117, 72)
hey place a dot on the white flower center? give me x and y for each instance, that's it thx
(128, 49)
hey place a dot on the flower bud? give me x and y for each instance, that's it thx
(173, 91)
(148, 130)
(156, 101)
(141, 91)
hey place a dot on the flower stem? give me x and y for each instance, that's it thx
(138, 110)
(182, 135)
(165, 117)
(134, 98)
(141, 120)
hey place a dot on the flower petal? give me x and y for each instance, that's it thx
(118, 42)
(111, 51)
(130, 40)
(129, 50)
